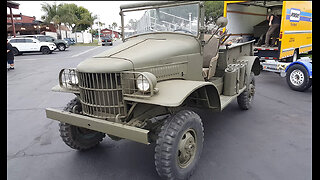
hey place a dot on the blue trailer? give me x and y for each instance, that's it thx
(298, 73)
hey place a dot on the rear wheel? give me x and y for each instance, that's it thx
(179, 145)
(77, 137)
(15, 51)
(246, 97)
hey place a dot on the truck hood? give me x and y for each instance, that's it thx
(141, 51)
(103, 65)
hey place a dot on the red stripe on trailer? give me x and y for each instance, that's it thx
(269, 58)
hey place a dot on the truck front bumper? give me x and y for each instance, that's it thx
(111, 128)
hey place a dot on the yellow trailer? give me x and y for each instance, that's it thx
(295, 36)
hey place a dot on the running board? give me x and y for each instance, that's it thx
(225, 100)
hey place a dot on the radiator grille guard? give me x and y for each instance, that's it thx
(101, 95)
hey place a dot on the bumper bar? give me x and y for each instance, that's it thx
(112, 128)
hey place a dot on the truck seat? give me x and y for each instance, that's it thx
(210, 56)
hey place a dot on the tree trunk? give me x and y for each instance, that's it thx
(60, 31)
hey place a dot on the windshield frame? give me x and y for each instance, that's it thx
(158, 4)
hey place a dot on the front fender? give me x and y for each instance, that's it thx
(173, 93)
(306, 64)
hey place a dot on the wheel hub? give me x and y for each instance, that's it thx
(297, 77)
(187, 148)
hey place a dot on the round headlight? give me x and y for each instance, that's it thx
(142, 83)
(145, 81)
(73, 80)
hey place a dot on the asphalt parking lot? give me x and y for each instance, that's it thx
(271, 141)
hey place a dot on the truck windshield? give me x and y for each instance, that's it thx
(182, 18)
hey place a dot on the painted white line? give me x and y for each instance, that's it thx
(85, 51)
(18, 60)
(25, 60)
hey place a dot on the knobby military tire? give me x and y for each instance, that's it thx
(77, 137)
(167, 148)
(246, 97)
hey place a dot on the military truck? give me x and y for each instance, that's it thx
(146, 88)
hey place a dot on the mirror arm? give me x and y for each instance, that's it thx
(213, 34)
(226, 38)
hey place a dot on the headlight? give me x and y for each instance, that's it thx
(146, 82)
(142, 83)
(68, 79)
(73, 80)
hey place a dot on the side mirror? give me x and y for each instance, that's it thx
(222, 22)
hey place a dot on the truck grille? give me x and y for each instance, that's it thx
(101, 95)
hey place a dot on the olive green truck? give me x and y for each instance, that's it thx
(143, 89)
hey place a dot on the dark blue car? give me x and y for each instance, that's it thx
(70, 41)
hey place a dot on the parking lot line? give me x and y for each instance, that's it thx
(32, 59)
(85, 52)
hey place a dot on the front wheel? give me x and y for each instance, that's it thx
(45, 50)
(61, 47)
(298, 78)
(77, 137)
(179, 145)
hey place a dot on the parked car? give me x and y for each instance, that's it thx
(106, 40)
(70, 41)
(61, 44)
(24, 45)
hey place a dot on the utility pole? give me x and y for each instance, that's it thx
(99, 40)
(190, 21)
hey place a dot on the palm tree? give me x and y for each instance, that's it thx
(114, 25)
(51, 14)
(68, 14)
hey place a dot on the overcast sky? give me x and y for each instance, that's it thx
(107, 10)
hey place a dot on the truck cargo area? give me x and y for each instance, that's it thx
(247, 20)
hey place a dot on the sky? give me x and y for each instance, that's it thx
(108, 11)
